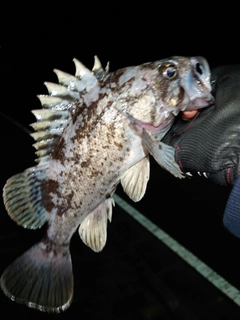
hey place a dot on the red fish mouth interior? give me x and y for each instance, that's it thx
(189, 114)
(197, 104)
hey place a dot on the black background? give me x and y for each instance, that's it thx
(36, 39)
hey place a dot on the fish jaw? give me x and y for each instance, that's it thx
(199, 103)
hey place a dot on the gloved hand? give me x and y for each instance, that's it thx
(209, 143)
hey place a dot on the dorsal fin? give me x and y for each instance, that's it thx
(60, 103)
(98, 70)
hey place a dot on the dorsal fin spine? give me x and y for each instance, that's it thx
(64, 78)
(60, 103)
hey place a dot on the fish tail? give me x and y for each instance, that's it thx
(41, 278)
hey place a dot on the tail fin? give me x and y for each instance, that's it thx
(41, 278)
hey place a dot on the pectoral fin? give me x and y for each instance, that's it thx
(135, 179)
(163, 154)
(93, 229)
(23, 199)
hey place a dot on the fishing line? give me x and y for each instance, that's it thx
(208, 273)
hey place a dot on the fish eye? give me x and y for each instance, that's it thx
(170, 72)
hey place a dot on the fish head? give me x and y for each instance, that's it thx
(184, 84)
(174, 84)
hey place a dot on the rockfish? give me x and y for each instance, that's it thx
(96, 129)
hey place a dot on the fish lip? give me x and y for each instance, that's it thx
(199, 103)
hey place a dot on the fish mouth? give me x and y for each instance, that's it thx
(193, 107)
(199, 103)
(195, 104)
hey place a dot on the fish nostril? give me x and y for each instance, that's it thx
(199, 68)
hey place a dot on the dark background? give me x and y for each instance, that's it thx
(35, 40)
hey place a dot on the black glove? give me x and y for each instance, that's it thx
(209, 144)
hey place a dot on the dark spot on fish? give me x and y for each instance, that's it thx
(80, 107)
(77, 158)
(160, 146)
(52, 187)
(49, 186)
(50, 246)
(58, 146)
(54, 116)
(53, 247)
(114, 77)
(85, 164)
(119, 145)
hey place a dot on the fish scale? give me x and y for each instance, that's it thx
(96, 129)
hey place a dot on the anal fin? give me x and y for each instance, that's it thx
(135, 179)
(93, 229)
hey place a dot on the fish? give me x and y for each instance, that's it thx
(96, 129)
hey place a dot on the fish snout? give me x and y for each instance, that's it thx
(197, 84)
(201, 73)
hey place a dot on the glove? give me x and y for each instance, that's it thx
(209, 143)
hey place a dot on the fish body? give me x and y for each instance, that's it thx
(96, 129)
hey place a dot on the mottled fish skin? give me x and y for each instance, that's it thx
(96, 129)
